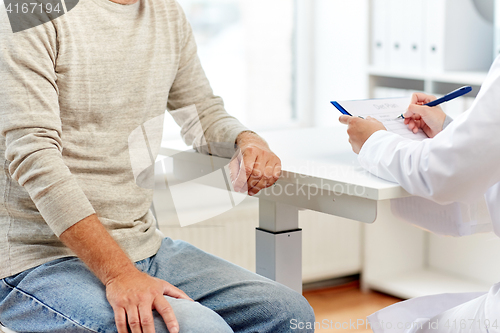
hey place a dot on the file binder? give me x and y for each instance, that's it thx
(380, 33)
(435, 11)
(432, 35)
(496, 18)
(458, 37)
(399, 38)
(414, 28)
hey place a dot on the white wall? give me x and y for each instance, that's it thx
(340, 56)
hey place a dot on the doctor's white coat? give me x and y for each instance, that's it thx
(459, 165)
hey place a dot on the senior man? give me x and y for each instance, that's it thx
(79, 250)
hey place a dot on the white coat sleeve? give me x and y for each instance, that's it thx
(459, 164)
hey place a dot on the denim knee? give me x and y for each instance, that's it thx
(302, 309)
(288, 308)
(194, 318)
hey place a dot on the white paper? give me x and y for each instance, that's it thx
(385, 110)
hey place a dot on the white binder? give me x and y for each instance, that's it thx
(398, 36)
(496, 48)
(433, 35)
(457, 36)
(414, 28)
(435, 12)
(401, 24)
(380, 33)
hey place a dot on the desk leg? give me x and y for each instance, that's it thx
(279, 244)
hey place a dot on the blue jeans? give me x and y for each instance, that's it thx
(64, 296)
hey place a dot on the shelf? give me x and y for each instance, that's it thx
(423, 282)
(472, 78)
(375, 71)
(465, 77)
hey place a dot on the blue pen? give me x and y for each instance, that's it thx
(448, 97)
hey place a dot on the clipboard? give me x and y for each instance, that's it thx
(385, 110)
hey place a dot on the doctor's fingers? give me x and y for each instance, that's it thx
(355, 144)
(433, 117)
(373, 120)
(344, 119)
(351, 122)
(417, 111)
(421, 98)
(414, 125)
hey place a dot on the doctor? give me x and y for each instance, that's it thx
(459, 163)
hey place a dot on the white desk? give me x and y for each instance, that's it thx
(321, 173)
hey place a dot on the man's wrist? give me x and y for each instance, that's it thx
(243, 134)
(248, 136)
(118, 273)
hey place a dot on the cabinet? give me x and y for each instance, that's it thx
(403, 260)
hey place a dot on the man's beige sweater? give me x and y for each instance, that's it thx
(71, 93)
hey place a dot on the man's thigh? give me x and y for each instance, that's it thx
(248, 302)
(64, 296)
(60, 296)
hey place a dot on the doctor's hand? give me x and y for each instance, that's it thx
(360, 130)
(429, 119)
(255, 166)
